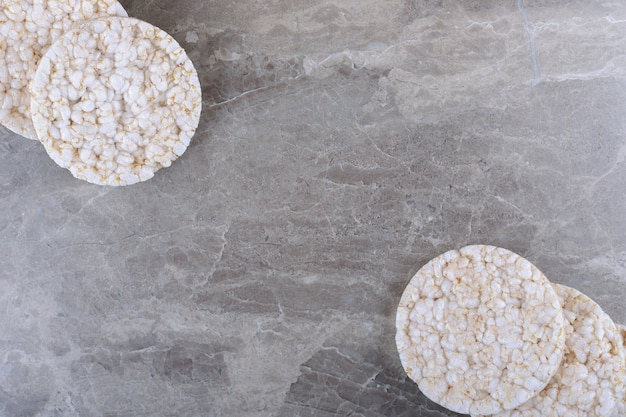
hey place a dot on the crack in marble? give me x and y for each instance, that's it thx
(123, 239)
(608, 70)
(249, 92)
(619, 160)
(533, 47)
(101, 244)
(507, 202)
(101, 193)
(396, 159)
(613, 20)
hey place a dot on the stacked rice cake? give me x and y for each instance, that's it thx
(113, 99)
(590, 380)
(27, 29)
(483, 332)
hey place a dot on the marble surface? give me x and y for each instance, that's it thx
(342, 145)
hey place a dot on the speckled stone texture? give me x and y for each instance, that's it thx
(342, 145)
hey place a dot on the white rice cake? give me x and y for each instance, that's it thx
(27, 28)
(480, 330)
(620, 410)
(115, 100)
(590, 381)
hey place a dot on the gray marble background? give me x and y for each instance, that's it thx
(342, 145)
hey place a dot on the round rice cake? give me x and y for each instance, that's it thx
(114, 100)
(590, 380)
(27, 28)
(480, 330)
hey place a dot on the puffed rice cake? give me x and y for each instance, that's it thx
(590, 380)
(27, 28)
(480, 330)
(115, 100)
